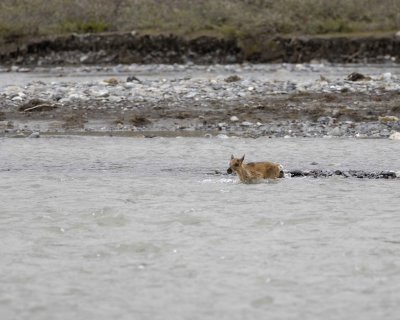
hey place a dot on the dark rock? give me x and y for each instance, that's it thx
(355, 76)
(388, 175)
(233, 78)
(296, 173)
(319, 173)
(133, 78)
(357, 173)
(345, 174)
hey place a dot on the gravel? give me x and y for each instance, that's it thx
(227, 100)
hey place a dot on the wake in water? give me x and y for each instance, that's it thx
(221, 180)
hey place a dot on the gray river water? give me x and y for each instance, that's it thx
(130, 228)
(299, 73)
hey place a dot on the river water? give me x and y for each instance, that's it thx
(130, 228)
(298, 73)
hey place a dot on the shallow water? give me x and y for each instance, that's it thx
(128, 228)
(265, 72)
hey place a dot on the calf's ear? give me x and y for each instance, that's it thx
(242, 158)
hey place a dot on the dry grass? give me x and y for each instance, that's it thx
(237, 18)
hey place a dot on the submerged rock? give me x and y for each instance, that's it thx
(360, 174)
(321, 173)
(296, 173)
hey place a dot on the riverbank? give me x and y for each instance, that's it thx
(282, 100)
(133, 47)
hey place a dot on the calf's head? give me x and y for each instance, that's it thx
(235, 164)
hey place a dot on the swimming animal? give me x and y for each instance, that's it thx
(254, 171)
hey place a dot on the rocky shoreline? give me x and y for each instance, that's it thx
(226, 104)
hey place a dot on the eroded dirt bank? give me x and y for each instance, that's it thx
(127, 48)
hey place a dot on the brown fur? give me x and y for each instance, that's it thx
(254, 171)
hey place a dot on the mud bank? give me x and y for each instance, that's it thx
(127, 48)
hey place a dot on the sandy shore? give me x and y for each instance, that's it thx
(310, 100)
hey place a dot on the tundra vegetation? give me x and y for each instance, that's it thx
(21, 19)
